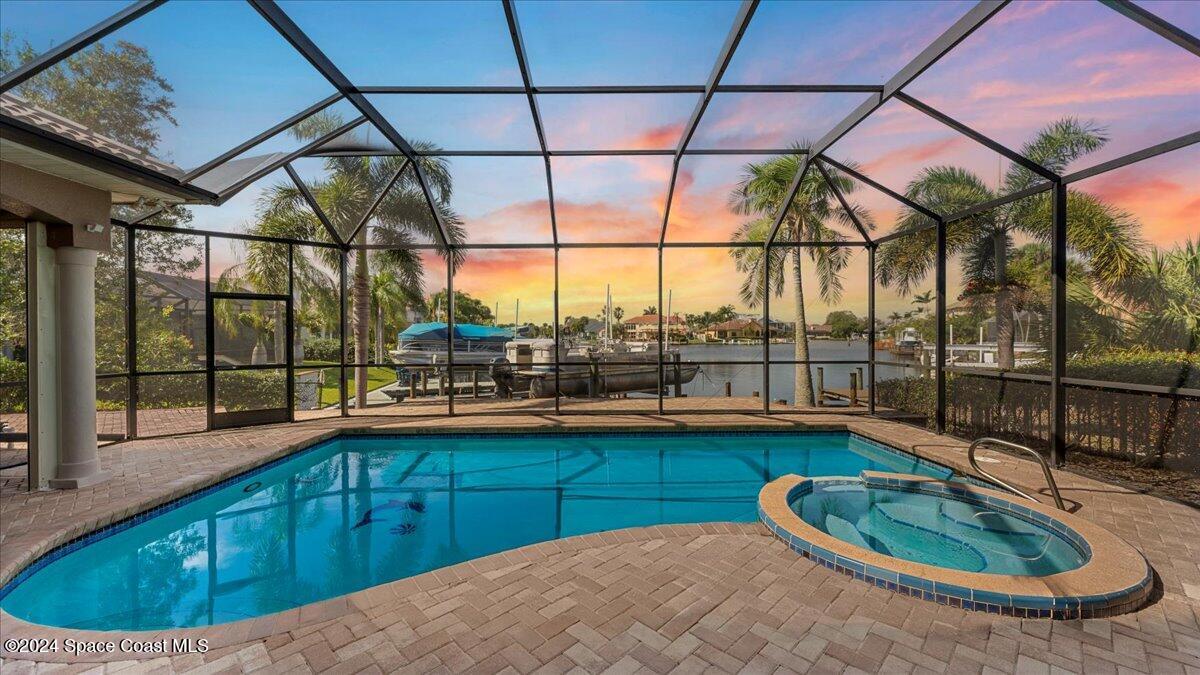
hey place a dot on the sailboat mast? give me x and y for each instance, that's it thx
(667, 337)
(607, 313)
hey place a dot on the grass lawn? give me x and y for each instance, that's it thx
(377, 376)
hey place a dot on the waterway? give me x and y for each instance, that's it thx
(747, 378)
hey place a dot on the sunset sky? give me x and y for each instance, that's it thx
(1035, 62)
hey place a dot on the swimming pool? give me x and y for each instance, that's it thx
(358, 511)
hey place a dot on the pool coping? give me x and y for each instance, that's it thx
(942, 450)
(1116, 578)
(46, 556)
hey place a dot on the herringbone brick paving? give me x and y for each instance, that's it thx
(718, 597)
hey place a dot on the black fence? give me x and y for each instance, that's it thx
(1151, 426)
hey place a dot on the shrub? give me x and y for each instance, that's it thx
(12, 399)
(322, 349)
(252, 390)
(171, 391)
(1165, 369)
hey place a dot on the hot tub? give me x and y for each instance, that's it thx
(957, 544)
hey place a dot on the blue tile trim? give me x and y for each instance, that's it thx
(126, 523)
(136, 519)
(1025, 606)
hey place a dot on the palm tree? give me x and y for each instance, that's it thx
(390, 298)
(760, 194)
(345, 193)
(1163, 299)
(895, 317)
(922, 299)
(1101, 235)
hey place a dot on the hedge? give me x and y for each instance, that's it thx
(12, 399)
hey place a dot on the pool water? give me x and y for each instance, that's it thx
(935, 530)
(356, 512)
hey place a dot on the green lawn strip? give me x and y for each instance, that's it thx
(377, 377)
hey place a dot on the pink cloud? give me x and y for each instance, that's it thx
(654, 138)
(605, 222)
(523, 222)
(919, 154)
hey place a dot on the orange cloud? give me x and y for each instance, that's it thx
(1163, 194)
(523, 222)
(655, 138)
(606, 223)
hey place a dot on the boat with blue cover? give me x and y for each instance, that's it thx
(426, 344)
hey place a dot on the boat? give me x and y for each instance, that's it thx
(909, 343)
(426, 344)
(594, 372)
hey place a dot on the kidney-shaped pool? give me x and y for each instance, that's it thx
(358, 511)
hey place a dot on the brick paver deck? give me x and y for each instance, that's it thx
(719, 597)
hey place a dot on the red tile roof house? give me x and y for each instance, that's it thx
(644, 328)
(734, 330)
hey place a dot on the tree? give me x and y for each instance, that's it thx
(844, 324)
(575, 325)
(650, 311)
(390, 298)
(1163, 299)
(466, 308)
(760, 194)
(116, 90)
(345, 193)
(1105, 238)
(113, 90)
(12, 291)
(923, 299)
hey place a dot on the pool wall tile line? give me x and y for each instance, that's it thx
(123, 524)
(317, 443)
(954, 595)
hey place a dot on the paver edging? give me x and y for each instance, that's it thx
(237, 632)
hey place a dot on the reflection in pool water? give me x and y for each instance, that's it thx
(361, 511)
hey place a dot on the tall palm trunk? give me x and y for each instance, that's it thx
(362, 318)
(803, 384)
(278, 316)
(379, 332)
(1005, 333)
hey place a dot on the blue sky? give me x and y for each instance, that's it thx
(233, 76)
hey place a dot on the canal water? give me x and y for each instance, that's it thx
(747, 378)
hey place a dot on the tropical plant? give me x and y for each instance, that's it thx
(922, 299)
(810, 218)
(1163, 299)
(345, 193)
(467, 309)
(390, 298)
(1104, 238)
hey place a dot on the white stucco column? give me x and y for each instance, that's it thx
(78, 463)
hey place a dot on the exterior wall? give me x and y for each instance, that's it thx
(66, 225)
(68, 209)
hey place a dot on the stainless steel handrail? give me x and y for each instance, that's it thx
(1040, 460)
